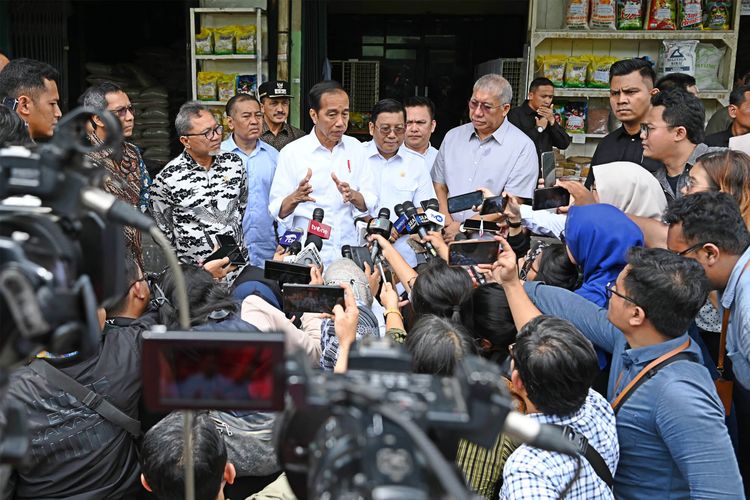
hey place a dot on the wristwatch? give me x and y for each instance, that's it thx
(540, 129)
(514, 225)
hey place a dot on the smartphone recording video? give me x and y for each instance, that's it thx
(286, 272)
(493, 205)
(213, 370)
(311, 298)
(487, 226)
(547, 198)
(472, 252)
(464, 201)
(228, 247)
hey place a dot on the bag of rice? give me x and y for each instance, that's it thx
(204, 42)
(206, 90)
(577, 14)
(602, 15)
(224, 40)
(551, 67)
(679, 56)
(707, 61)
(630, 14)
(690, 15)
(225, 86)
(575, 117)
(598, 76)
(245, 39)
(719, 12)
(662, 15)
(576, 69)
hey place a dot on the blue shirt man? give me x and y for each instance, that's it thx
(246, 119)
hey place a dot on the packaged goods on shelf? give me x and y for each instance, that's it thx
(678, 56)
(576, 69)
(603, 15)
(552, 67)
(204, 42)
(225, 86)
(598, 76)
(662, 15)
(707, 61)
(224, 38)
(207, 89)
(598, 116)
(718, 13)
(247, 84)
(245, 41)
(575, 117)
(690, 15)
(630, 14)
(558, 111)
(577, 14)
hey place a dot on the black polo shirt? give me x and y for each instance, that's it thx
(618, 145)
(553, 135)
(719, 139)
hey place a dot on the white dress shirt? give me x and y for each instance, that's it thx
(428, 156)
(402, 177)
(348, 163)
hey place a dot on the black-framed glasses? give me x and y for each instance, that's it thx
(647, 129)
(208, 134)
(123, 111)
(610, 290)
(692, 248)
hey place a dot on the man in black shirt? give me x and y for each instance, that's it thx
(536, 119)
(739, 111)
(631, 83)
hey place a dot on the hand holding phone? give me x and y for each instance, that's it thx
(472, 252)
(493, 205)
(312, 298)
(547, 198)
(228, 247)
(465, 201)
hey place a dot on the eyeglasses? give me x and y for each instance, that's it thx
(386, 129)
(474, 104)
(208, 134)
(692, 248)
(123, 111)
(610, 290)
(690, 184)
(646, 129)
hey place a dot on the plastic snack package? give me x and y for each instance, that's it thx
(577, 14)
(206, 88)
(598, 76)
(630, 14)
(598, 118)
(559, 112)
(718, 14)
(246, 84)
(224, 40)
(603, 15)
(576, 69)
(707, 61)
(679, 56)
(662, 15)
(204, 42)
(245, 40)
(575, 117)
(225, 86)
(552, 67)
(690, 15)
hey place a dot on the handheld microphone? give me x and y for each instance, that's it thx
(290, 237)
(416, 223)
(114, 209)
(291, 253)
(400, 224)
(381, 226)
(316, 230)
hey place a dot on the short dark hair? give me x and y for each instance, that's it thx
(737, 96)
(627, 66)
(444, 291)
(437, 345)
(25, 76)
(13, 131)
(132, 273)
(682, 109)
(319, 89)
(492, 319)
(668, 287)
(241, 97)
(540, 82)
(162, 459)
(387, 106)
(555, 268)
(556, 363)
(96, 95)
(712, 217)
(420, 100)
(672, 81)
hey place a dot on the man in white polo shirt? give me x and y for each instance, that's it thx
(325, 169)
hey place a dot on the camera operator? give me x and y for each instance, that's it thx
(553, 366)
(12, 129)
(163, 466)
(29, 88)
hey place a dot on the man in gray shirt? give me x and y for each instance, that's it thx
(490, 152)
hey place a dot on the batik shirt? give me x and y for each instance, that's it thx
(191, 204)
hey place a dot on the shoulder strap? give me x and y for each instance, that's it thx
(650, 370)
(588, 452)
(723, 343)
(86, 396)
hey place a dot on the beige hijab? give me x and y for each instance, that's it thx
(631, 188)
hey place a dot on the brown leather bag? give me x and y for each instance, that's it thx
(724, 387)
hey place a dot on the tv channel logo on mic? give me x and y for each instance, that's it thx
(290, 237)
(319, 229)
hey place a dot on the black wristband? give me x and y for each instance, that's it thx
(514, 225)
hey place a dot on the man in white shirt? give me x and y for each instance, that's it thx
(420, 124)
(324, 169)
(400, 176)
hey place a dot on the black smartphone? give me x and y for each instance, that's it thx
(472, 252)
(311, 298)
(493, 205)
(228, 247)
(474, 225)
(548, 168)
(286, 272)
(464, 201)
(547, 198)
